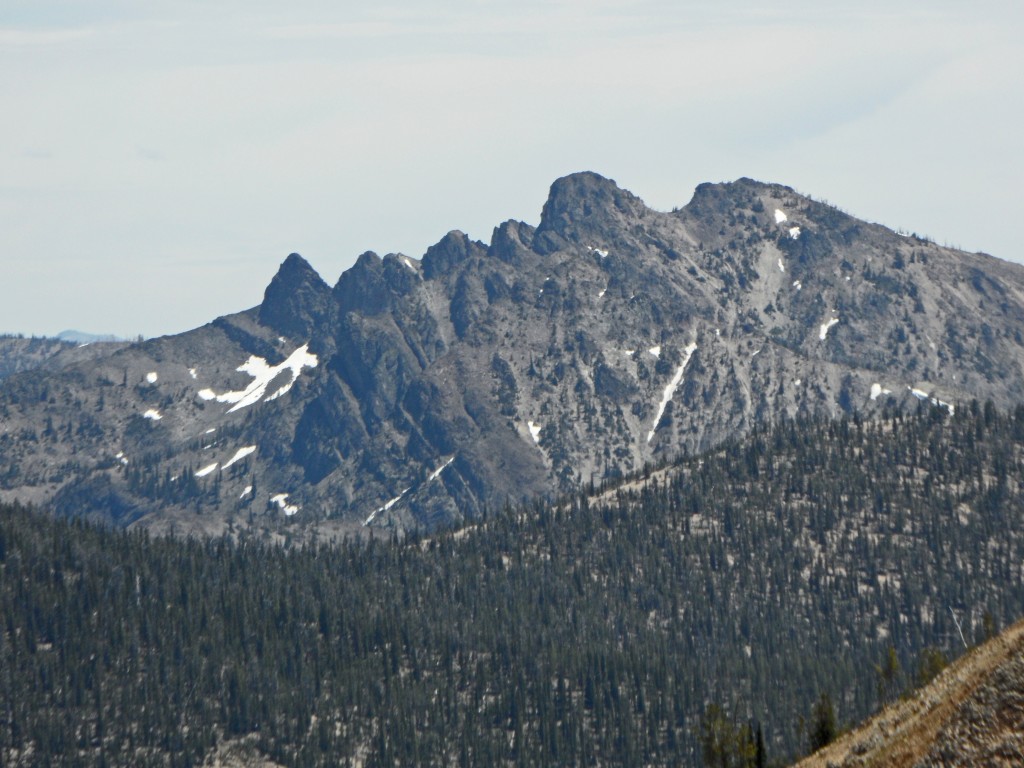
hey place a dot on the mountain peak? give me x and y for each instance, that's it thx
(715, 199)
(453, 248)
(296, 300)
(582, 180)
(583, 204)
(295, 270)
(582, 195)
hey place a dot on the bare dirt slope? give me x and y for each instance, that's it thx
(970, 715)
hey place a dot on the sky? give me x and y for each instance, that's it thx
(159, 160)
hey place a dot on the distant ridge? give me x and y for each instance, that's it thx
(80, 337)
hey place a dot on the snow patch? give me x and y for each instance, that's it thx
(798, 285)
(192, 373)
(534, 431)
(210, 431)
(823, 328)
(263, 374)
(409, 264)
(437, 472)
(602, 293)
(794, 232)
(655, 350)
(246, 492)
(206, 470)
(782, 267)
(920, 394)
(385, 508)
(152, 414)
(240, 454)
(151, 377)
(670, 390)
(122, 458)
(629, 352)
(599, 252)
(779, 216)
(433, 476)
(877, 390)
(281, 500)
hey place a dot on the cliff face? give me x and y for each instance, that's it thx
(421, 392)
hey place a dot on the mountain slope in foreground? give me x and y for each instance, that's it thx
(972, 714)
(416, 393)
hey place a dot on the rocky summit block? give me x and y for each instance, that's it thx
(422, 392)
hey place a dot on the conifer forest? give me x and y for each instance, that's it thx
(730, 595)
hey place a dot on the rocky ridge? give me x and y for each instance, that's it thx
(421, 392)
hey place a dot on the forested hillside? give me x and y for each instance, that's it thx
(599, 630)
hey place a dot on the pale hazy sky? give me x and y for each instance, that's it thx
(158, 160)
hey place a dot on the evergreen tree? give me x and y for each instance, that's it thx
(823, 728)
